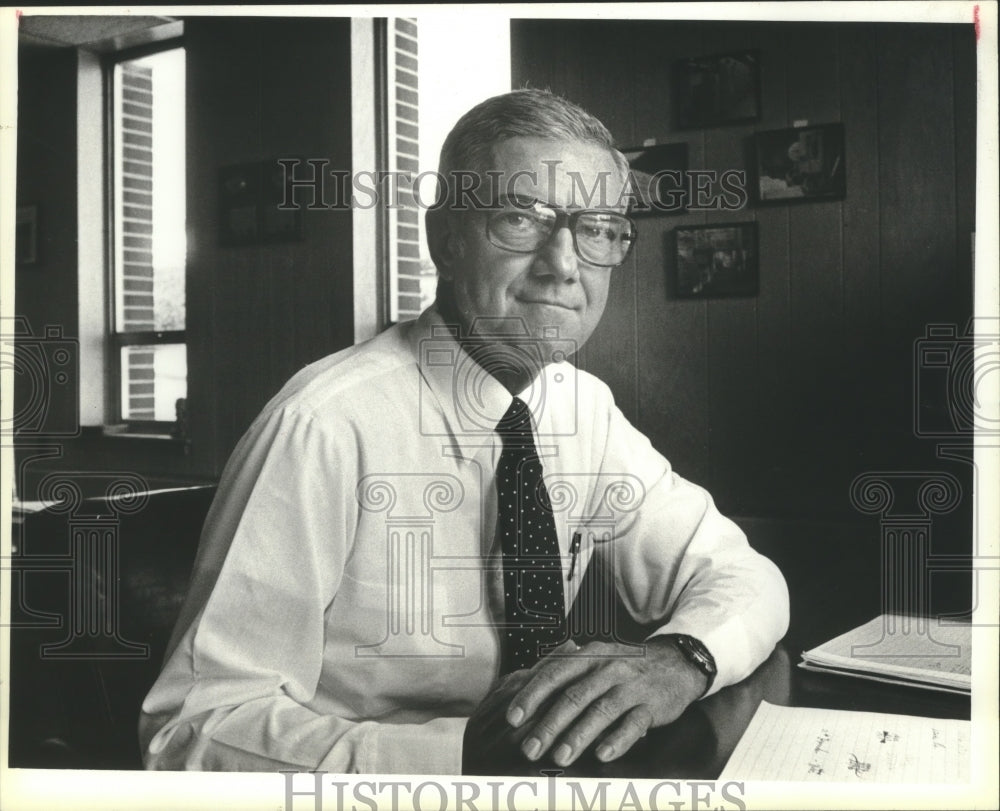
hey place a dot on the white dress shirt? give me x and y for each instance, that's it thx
(342, 607)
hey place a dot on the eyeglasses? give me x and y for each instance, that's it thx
(601, 238)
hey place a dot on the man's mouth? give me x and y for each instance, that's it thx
(549, 303)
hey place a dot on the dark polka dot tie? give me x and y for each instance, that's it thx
(535, 617)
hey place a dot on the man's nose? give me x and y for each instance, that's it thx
(558, 256)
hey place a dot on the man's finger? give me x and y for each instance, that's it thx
(568, 706)
(548, 677)
(632, 726)
(575, 724)
(569, 646)
(490, 722)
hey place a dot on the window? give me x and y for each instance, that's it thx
(427, 90)
(147, 353)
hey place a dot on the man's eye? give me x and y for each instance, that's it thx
(593, 232)
(514, 220)
(518, 221)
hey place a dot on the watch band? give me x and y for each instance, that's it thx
(696, 653)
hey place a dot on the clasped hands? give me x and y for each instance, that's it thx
(603, 694)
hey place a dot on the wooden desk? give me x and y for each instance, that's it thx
(831, 592)
(698, 744)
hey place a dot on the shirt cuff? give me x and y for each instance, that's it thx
(434, 747)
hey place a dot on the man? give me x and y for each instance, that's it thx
(384, 577)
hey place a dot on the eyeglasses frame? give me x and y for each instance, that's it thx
(564, 219)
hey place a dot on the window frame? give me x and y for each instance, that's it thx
(383, 222)
(406, 271)
(115, 340)
(388, 157)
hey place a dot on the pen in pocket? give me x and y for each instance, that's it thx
(574, 553)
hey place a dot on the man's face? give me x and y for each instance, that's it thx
(551, 287)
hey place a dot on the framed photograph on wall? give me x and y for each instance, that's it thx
(804, 163)
(713, 91)
(658, 178)
(716, 261)
(26, 236)
(250, 199)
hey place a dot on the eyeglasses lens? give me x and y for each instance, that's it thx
(601, 238)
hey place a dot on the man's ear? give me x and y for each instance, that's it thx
(443, 241)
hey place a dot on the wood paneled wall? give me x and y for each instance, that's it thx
(257, 89)
(260, 89)
(776, 402)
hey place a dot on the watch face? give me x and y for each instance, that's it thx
(698, 653)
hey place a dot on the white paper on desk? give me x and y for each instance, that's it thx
(902, 646)
(806, 744)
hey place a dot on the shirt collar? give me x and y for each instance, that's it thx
(470, 398)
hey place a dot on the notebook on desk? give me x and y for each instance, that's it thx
(900, 650)
(809, 744)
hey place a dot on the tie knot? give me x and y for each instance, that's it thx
(516, 423)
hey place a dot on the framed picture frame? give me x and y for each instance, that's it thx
(26, 235)
(716, 261)
(658, 178)
(799, 164)
(250, 199)
(239, 201)
(717, 90)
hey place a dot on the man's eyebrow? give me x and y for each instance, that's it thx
(522, 200)
(527, 201)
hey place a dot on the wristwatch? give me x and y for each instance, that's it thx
(696, 653)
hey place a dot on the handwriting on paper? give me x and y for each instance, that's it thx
(856, 766)
(823, 738)
(801, 743)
